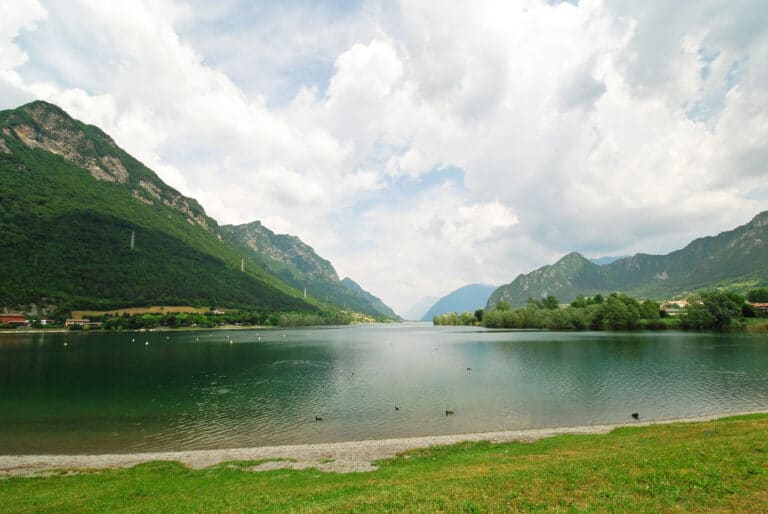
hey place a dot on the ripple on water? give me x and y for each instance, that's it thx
(211, 396)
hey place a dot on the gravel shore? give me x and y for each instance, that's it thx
(343, 457)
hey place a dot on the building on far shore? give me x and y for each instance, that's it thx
(674, 307)
(13, 319)
(760, 306)
(82, 322)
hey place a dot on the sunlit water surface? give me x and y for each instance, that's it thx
(112, 392)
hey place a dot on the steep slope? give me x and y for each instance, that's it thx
(736, 258)
(84, 224)
(297, 264)
(361, 293)
(465, 299)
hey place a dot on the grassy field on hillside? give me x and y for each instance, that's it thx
(716, 466)
(153, 309)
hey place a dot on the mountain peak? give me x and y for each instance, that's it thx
(40, 125)
(572, 257)
(760, 220)
(573, 260)
(732, 258)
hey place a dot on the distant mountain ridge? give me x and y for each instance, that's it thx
(734, 257)
(464, 299)
(85, 224)
(417, 310)
(602, 261)
(378, 305)
(297, 264)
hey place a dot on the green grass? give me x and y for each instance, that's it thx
(717, 466)
(756, 326)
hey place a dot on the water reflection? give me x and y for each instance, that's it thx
(115, 392)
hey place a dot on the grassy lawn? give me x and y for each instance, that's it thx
(716, 466)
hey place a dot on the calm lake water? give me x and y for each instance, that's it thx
(112, 392)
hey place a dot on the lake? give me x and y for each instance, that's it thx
(113, 392)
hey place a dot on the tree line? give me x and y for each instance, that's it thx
(707, 310)
(150, 321)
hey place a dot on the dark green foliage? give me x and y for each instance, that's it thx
(758, 295)
(65, 237)
(650, 310)
(615, 312)
(712, 311)
(618, 312)
(454, 319)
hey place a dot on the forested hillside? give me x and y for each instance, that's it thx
(735, 259)
(84, 224)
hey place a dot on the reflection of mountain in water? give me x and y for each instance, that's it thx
(195, 390)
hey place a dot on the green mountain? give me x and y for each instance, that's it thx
(84, 224)
(358, 292)
(297, 264)
(734, 259)
(464, 299)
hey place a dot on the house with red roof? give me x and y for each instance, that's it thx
(13, 319)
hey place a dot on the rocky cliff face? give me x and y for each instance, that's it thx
(283, 248)
(41, 125)
(84, 224)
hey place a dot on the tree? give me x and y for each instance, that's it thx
(502, 306)
(758, 295)
(534, 304)
(579, 302)
(617, 312)
(713, 310)
(479, 315)
(650, 310)
(550, 302)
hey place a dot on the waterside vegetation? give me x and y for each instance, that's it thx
(710, 310)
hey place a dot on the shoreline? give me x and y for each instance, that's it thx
(340, 457)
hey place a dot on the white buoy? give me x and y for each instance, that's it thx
(146, 343)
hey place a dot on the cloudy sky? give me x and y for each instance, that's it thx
(424, 145)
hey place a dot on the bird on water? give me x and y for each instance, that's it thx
(448, 412)
(636, 415)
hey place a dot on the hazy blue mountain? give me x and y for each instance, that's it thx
(602, 261)
(463, 299)
(417, 311)
(736, 259)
